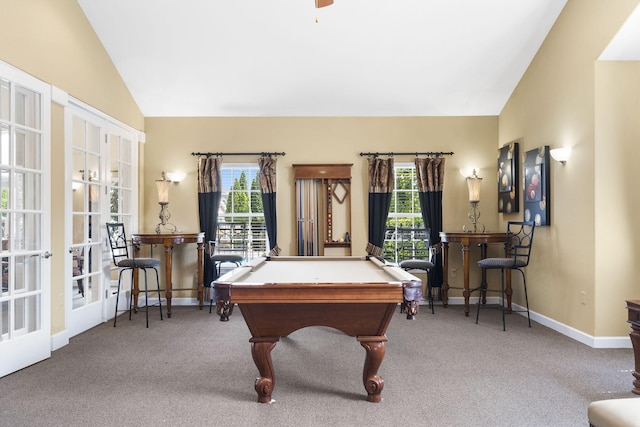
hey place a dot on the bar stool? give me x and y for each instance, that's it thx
(217, 260)
(423, 265)
(519, 240)
(120, 253)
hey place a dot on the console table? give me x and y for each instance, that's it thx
(634, 319)
(168, 240)
(466, 239)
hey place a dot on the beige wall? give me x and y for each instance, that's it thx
(170, 142)
(617, 205)
(554, 104)
(53, 41)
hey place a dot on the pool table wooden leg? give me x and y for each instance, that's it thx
(412, 309)
(224, 309)
(261, 351)
(373, 383)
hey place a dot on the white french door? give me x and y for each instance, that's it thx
(25, 156)
(99, 187)
(85, 287)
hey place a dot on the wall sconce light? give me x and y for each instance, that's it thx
(561, 154)
(176, 176)
(162, 186)
(465, 172)
(473, 182)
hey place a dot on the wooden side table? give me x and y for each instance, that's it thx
(467, 239)
(168, 240)
(634, 320)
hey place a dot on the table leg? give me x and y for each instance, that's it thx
(445, 274)
(465, 267)
(224, 309)
(373, 383)
(201, 274)
(261, 351)
(168, 250)
(635, 342)
(411, 308)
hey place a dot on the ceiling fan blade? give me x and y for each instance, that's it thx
(323, 3)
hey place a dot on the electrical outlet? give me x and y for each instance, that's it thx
(583, 298)
(454, 272)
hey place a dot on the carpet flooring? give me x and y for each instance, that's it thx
(439, 370)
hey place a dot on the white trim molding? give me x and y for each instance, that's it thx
(568, 331)
(59, 96)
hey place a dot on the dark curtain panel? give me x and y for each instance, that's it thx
(209, 194)
(267, 176)
(380, 192)
(430, 176)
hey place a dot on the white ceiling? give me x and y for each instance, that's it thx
(361, 57)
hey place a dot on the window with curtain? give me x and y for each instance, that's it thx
(404, 215)
(241, 202)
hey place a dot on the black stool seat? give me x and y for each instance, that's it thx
(139, 263)
(498, 263)
(416, 264)
(226, 258)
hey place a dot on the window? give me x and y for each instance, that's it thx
(121, 180)
(405, 237)
(241, 202)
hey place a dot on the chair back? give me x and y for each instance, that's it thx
(404, 243)
(231, 239)
(78, 261)
(519, 241)
(117, 241)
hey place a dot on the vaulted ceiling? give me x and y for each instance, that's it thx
(353, 58)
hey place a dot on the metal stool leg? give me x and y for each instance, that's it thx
(504, 308)
(146, 296)
(115, 317)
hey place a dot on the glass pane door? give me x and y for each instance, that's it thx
(24, 231)
(85, 292)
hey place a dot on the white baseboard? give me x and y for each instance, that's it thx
(59, 340)
(591, 341)
(174, 301)
(186, 301)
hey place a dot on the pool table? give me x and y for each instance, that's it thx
(279, 295)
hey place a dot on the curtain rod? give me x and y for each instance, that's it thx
(262, 153)
(426, 153)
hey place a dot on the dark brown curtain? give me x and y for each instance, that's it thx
(267, 177)
(381, 182)
(430, 176)
(209, 194)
